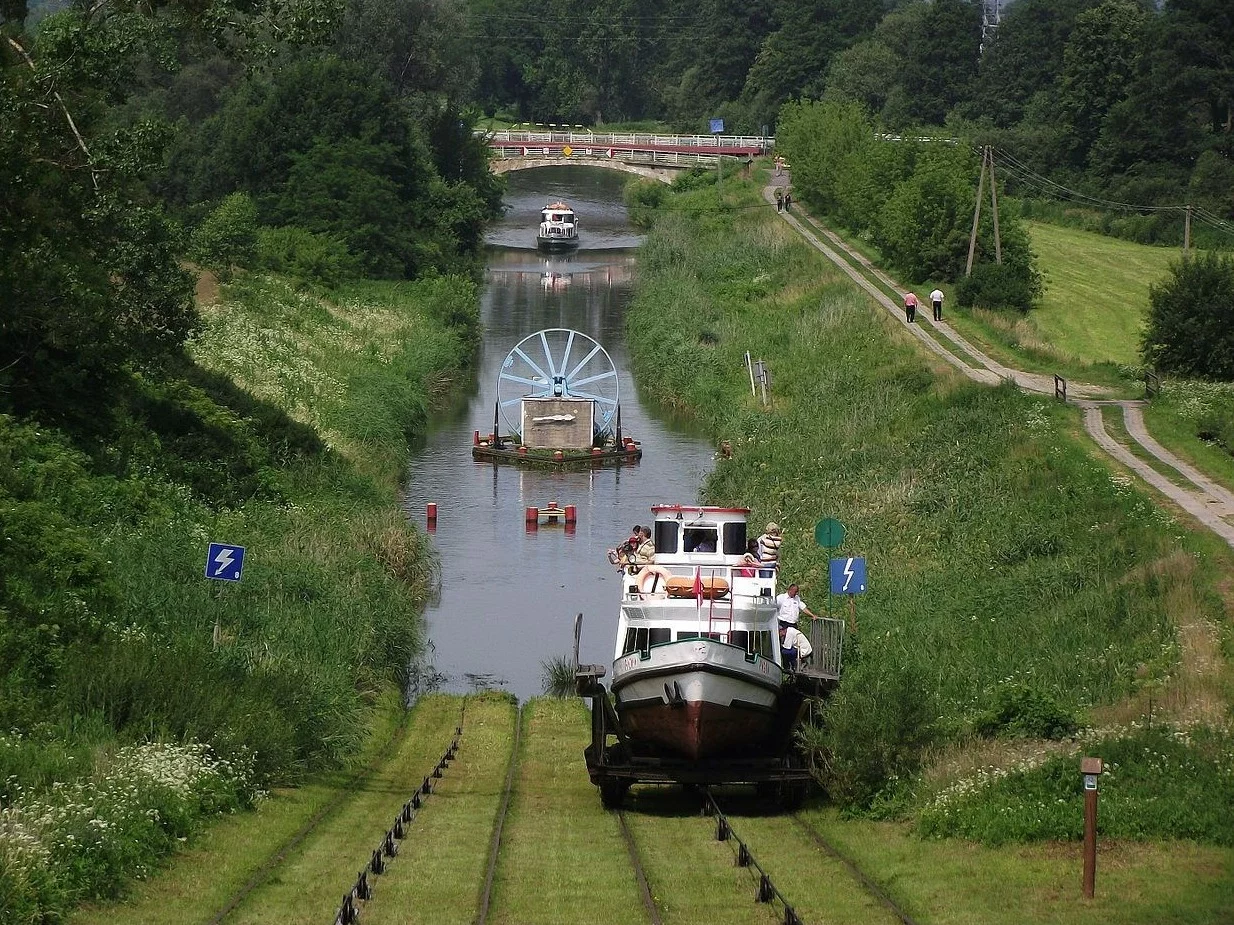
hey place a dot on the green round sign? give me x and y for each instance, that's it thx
(829, 532)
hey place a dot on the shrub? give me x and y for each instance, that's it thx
(642, 198)
(1189, 331)
(998, 286)
(1019, 710)
(305, 255)
(227, 236)
(877, 726)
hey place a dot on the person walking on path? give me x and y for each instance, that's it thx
(779, 199)
(910, 307)
(788, 199)
(936, 299)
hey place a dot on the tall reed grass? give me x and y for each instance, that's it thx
(286, 433)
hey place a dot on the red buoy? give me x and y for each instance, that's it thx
(533, 514)
(475, 439)
(596, 451)
(432, 510)
(571, 514)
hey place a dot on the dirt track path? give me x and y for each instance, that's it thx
(1206, 501)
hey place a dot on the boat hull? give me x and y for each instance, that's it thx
(556, 244)
(698, 700)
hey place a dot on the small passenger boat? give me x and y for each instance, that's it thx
(558, 228)
(696, 671)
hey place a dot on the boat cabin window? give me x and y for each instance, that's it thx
(735, 538)
(666, 535)
(640, 639)
(690, 634)
(699, 539)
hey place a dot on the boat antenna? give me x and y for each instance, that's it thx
(619, 425)
(496, 435)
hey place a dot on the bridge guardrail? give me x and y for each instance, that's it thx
(603, 139)
(666, 158)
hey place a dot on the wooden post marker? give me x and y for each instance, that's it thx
(1091, 769)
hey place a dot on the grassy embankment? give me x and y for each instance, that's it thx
(1015, 585)
(287, 433)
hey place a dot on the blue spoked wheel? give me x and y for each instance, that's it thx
(558, 363)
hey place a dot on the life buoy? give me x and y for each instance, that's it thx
(653, 580)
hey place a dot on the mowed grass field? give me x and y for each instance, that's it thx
(1096, 292)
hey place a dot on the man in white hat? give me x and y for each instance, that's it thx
(795, 648)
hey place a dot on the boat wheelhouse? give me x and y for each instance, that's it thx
(558, 227)
(696, 670)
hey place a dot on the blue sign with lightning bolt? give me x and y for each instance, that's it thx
(224, 562)
(848, 575)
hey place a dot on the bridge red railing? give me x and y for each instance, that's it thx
(726, 144)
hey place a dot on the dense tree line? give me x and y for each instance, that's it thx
(1128, 100)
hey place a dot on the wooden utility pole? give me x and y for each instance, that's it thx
(998, 241)
(972, 238)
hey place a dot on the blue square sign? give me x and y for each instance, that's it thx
(717, 126)
(848, 575)
(224, 562)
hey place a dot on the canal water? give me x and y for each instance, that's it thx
(508, 598)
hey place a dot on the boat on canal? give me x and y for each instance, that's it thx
(558, 228)
(696, 670)
(699, 691)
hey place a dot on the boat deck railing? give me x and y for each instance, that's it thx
(719, 582)
(826, 637)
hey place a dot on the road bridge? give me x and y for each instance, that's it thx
(655, 156)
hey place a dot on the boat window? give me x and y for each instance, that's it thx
(763, 644)
(735, 539)
(739, 638)
(661, 634)
(687, 634)
(699, 539)
(666, 535)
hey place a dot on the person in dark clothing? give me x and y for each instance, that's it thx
(779, 199)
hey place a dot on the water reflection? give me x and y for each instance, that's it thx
(508, 597)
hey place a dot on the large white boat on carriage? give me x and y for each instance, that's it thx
(558, 227)
(697, 671)
(699, 693)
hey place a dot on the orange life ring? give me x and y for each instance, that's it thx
(648, 577)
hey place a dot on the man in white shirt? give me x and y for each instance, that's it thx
(795, 648)
(936, 299)
(789, 606)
